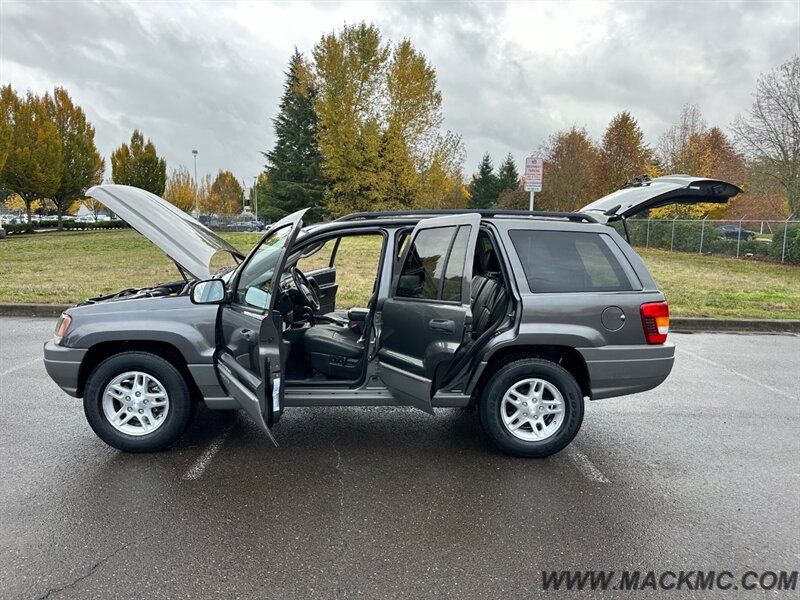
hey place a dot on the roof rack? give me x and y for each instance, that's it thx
(484, 212)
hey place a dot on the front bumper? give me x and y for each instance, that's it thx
(63, 365)
(621, 370)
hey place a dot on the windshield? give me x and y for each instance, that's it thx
(254, 288)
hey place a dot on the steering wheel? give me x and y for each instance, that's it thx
(307, 292)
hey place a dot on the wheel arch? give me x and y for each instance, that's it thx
(103, 350)
(565, 356)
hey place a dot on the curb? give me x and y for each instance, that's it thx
(32, 310)
(677, 324)
(708, 324)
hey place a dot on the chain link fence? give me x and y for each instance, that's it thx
(768, 240)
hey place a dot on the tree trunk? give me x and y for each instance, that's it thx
(60, 217)
(28, 213)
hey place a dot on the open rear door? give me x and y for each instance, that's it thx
(427, 316)
(250, 353)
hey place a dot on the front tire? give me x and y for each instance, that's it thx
(137, 402)
(531, 408)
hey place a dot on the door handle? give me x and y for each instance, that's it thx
(445, 325)
(248, 335)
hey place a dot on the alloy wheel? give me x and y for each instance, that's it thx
(532, 410)
(135, 403)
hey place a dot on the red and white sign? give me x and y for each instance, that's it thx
(533, 174)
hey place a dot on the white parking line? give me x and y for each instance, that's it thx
(585, 466)
(199, 466)
(738, 374)
(22, 366)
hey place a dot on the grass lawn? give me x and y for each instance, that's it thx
(68, 267)
(709, 286)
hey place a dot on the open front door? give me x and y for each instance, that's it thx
(250, 353)
(427, 317)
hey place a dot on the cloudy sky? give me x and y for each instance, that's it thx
(208, 75)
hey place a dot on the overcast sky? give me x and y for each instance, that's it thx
(209, 75)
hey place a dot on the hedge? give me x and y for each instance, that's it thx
(687, 237)
(68, 226)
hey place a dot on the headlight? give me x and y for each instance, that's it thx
(64, 321)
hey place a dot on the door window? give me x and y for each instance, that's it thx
(254, 287)
(318, 257)
(356, 263)
(567, 261)
(434, 266)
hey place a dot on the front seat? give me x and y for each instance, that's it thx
(334, 350)
(344, 317)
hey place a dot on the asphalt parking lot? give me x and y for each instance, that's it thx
(701, 473)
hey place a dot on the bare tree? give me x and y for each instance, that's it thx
(770, 133)
(682, 148)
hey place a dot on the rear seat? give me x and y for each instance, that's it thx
(488, 295)
(488, 303)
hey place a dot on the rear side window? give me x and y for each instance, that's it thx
(569, 261)
(434, 268)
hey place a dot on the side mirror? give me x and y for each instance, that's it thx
(210, 291)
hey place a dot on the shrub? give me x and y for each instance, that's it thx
(17, 229)
(792, 244)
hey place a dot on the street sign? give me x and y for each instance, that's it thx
(533, 174)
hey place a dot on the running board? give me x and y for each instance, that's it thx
(297, 397)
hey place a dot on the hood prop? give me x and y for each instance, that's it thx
(180, 269)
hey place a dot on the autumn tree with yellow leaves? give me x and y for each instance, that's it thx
(181, 189)
(379, 125)
(690, 147)
(33, 164)
(81, 164)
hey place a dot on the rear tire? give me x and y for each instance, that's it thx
(531, 408)
(143, 388)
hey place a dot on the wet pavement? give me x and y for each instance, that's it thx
(703, 472)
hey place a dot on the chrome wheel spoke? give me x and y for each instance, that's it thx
(145, 423)
(553, 407)
(126, 416)
(519, 423)
(118, 389)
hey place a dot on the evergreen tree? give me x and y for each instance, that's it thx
(507, 175)
(139, 165)
(294, 165)
(483, 190)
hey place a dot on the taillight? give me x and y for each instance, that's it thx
(61, 328)
(655, 320)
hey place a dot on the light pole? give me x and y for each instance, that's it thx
(196, 187)
(255, 194)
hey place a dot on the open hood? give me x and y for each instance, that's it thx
(185, 240)
(661, 191)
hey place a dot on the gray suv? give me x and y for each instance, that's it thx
(522, 314)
